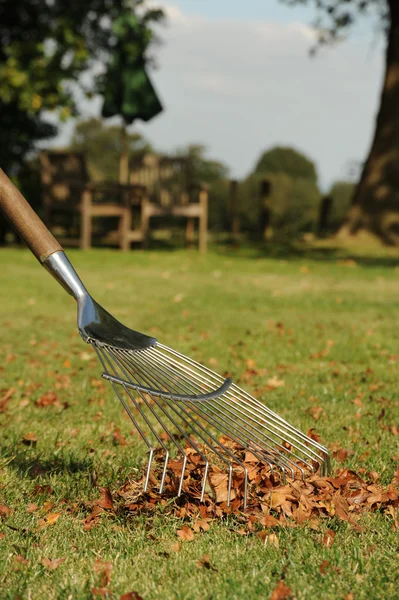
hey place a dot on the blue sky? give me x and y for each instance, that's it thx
(245, 9)
(235, 76)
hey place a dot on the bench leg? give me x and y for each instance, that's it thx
(125, 226)
(189, 231)
(85, 221)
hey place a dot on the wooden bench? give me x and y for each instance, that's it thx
(67, 192)
(170, 191)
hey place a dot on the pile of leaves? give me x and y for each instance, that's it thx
(271, 501)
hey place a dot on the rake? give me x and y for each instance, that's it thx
(178, 406)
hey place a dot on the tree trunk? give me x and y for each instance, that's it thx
(375, 204)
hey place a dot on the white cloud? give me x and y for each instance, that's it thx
(239, 86)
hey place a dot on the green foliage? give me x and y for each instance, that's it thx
(102, 146)
(286, 160)
(45, 45)
(334, 18)
(341, 195)
(294, 196)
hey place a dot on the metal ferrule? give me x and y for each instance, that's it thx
(61, 269)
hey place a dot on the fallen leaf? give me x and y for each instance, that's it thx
(5, 398)
(281, 592)
(186, 534)
(52, 563)
(48, 399)
(105, 501)
(103, 592)
(49, 519)
(131, 596)
(323, 566)
(21, 559)
(205, 562)
(103, 569)
(29, 439)
(274, 383)
(198, 525)
(4, 510)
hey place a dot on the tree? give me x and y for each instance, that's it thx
(45, 45)
(286, 160)
(375, 203)
(341, 194)
(102, 146)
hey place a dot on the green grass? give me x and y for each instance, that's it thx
(328, 327)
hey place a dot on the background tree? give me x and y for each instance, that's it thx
(102, 146)
(294, 198)
(375, 203)
(45, 46)
(341, 194)
(286, 160)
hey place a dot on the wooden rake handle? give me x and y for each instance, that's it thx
(25, 221)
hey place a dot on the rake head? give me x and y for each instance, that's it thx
(182, 407)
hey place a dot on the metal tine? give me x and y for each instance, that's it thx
(260, 409)
(294, 442)
(202, 404)
(239, 408)
(166, 429)
(144, 416)
(249, 429)
(191, 442)
(143, 365)
(262, 456)
(215, 402)
(253, 401)
(234, 458)
(135, 423)
(161, 372)
(183, 387)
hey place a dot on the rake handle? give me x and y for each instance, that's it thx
(25, 221)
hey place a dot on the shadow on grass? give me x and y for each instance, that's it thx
(299, 251)
(37, 466)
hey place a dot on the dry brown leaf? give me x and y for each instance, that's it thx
(4, 510)
(281, 592)
(131, 596)
(274, 383)
(29, 439)
(49, 519)
(103, 592)
(186, 534)
(52, 563)
(323, 566)
(21, 559)
(103, 570)
(5, 397)
(205, 563)
(198, 525)
(48, 399)
(105, 501)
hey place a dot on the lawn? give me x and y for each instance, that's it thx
(323, 324)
